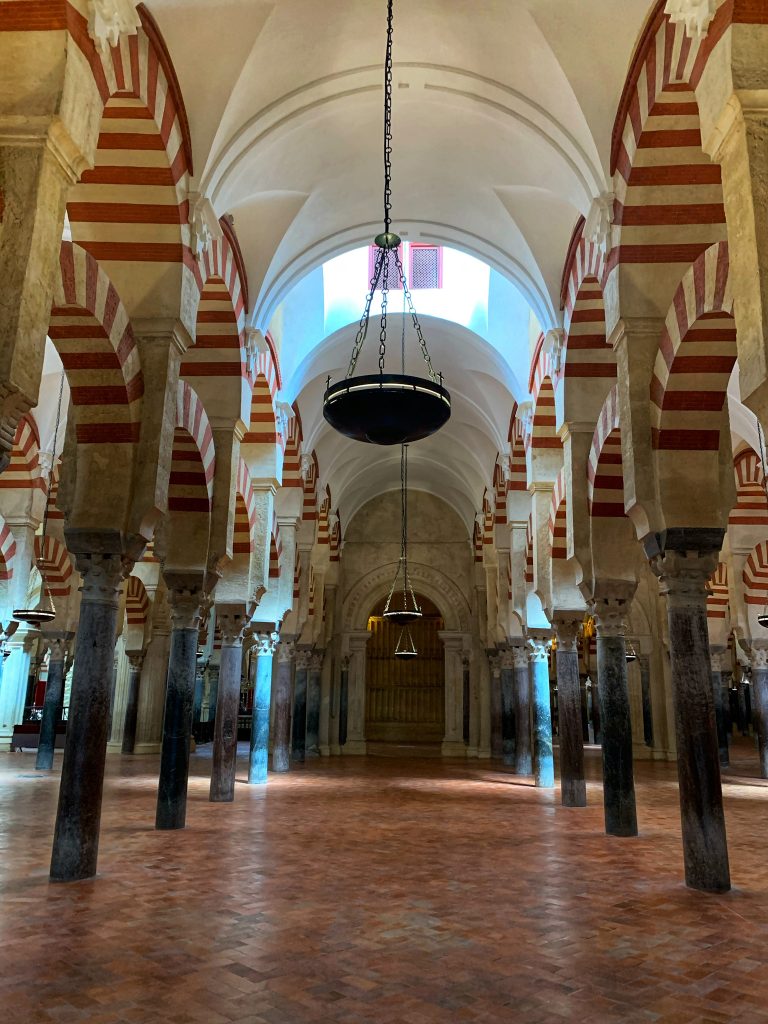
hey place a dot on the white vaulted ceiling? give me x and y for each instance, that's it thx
(503, 112)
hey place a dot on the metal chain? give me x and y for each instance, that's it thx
(415, 319)
(383, 328)
(362, 329)
(53, 461)
(388, 122)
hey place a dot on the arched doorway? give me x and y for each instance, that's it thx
(405, 698)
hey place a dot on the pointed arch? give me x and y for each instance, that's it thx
(544, 432)
(605, 477)
(558, 530)
(751, 508)
(755, 575)
(23, 472)
(518, 470)
(717, 593)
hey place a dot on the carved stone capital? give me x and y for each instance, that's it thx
(231, 620)
(265, 644)
(58, 648)
(102, 575)
(567, 629)
(285, 651)
(759, 658)
(683, 576)
(520, 657)
(185, 600)
(109, 19)
(135, 659)
(302, 660)
(538, 649)
(494, 660)
(611, 615)
(316, 661)
(507, 660)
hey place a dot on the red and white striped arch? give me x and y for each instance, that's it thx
(500, 487)
(7, 551)
(136, 602)
(717, 593)
(529, 551)
(477, 541)
(292, 458)
(297, 576)
(93, 336)
(755, 575)
(558, 527)
(605, 479)
(55, 515)
(245, 512)
(193, 460)
(309, 504)
(55, 565)
(275, 550)
(488, 518)
(335, 539)
(751, 508)
(544, 432)
(696, 355)
(587, 353)
(323, 528)
(518, 470)
(132, 209)
(23, 472)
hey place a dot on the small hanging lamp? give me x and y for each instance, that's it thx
(45, 610)
(406, 648)
(401, 606)
(631, 651)
(387, 408)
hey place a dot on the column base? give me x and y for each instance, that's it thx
(453, 748)
(325, 750)
(484, 753)
(115, 747)
(472, 752)
(146, 748)
(355, 748)
(335, 750)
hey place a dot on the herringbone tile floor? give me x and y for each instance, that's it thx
(377, 890)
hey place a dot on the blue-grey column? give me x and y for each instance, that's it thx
(185, 599)
(258, 758)
(644, 661)
(573, 787)
(299, 721)
(343, 700)
(78, 817)
(136, 662)
(522, 685)
(760, 704)
(314, 687)
(543, 759)
(717, 658)
(497, 739)
(52, 705)
(508, 707)
(684, 560)
(231, 621)
(618, 773)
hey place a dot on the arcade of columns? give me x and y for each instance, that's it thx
(186, 514)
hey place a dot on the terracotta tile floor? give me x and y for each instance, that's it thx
(377, 890)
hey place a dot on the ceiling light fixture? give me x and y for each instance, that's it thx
(387, 408)
(401, 604)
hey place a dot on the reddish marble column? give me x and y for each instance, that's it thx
(53, 702)
(573, 787)
(231, 620)
(281, 750)
(314, 686)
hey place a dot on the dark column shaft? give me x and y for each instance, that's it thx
(314, 683)
(717, 699)
(618, 774)
(281, 752)
(299, 734)
(645, 684)
(225, 729)
(78, 818)
(543, 760)
(683, 575)
(132, 704)
(522, 685)
(177, 730)
(54, 698)
(573, 788)
(343, 704)
(508, 709)
(760, 705)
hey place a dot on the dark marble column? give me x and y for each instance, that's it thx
(197, 703)
(231, 620)
(258, 759)
(497, 740)
(314, 684)
(543, 760)
(742, 723)
(281, 752)
(618, 775)
(78, 817)
(136, 661)
(522, 705)
(644, 662)
(213, 692)
(299, 720)
(52, 706)
(508, 707)
(684, 559)
(727, 677)
(573, 788)
(717, 657)
(343, 700)
(760, 703)
(185, 598)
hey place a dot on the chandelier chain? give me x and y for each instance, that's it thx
(362, 329)
(383, 327)
(388, 121)
(414, 318)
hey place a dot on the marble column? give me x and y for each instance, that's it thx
(299, 721)
(618, 774)
(78, 816)
(742, 723)
(136, 662)
(522, 704)
(644, 663)
(497, 740)
(508, 707)
(185, 598)
(281, 751)
(258, 758)
(213, 691)
(727, 677)
(231, 621)
(760, 703)
(314, 693)
(466, 696)
(356, 743)
(343, 701)
(717, 657)
(543, 760)
(454, 644)
(684, 559)
(573, 787)
(149, 728)
(52, 706)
